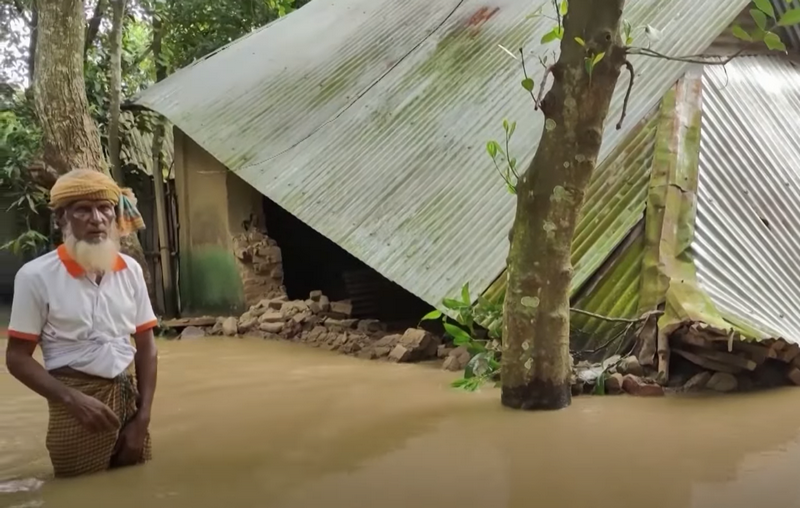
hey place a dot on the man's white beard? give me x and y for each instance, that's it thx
(97, 257)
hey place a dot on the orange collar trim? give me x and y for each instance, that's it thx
(76, 270)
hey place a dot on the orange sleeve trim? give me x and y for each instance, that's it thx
(24, 336)
(147, 326)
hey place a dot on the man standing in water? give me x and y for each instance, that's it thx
(82, 303)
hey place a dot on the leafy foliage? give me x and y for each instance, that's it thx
(484, 364)
(19, 142)
(191, 29)
(767, 24)
(501, 156)
(196, 28)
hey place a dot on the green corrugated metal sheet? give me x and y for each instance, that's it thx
(615, 202)
(613, 292)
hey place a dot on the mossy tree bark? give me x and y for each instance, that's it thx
(70, 138)
(536, 365)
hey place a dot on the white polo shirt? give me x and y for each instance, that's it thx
(79, 323)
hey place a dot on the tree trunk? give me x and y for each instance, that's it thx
(115, 88)
(32, 42)
(536, 362)
(70, 138)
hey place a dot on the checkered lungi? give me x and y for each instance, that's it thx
(74, 450)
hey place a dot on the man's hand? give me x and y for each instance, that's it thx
(130, 444)
(91, 413)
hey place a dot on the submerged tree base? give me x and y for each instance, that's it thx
(538, 395)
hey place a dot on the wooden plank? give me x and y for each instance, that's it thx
(184, 322)
(728, 359)
(757, 352)
(695, 340)
(707, 363)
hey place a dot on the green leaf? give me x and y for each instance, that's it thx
(491, 149)
(580, 41)
(564, 9)
(600, 384)
(511, 189)
(790, 17)
(589, 66)
(758, 34)
(475, 348)
(460, 337)
(434, 314)
(765, 6)
(505, 125)
(513, 128)
(774, 42)
(527, 84)
(740, 33)
(760, 18)
(459, 383)
(454, 304)
(550, 36)
(597, 58)
(465, 294)
(629, 41)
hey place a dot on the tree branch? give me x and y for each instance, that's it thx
(628, 66)
(697, 59)
(525, 73)
(539, 99)
(94, 24)
(643, 317)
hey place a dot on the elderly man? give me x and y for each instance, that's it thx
(82, 303)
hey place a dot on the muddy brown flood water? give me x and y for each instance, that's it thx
(249, 423)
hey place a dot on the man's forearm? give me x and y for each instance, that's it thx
(31, 373)
(146, 362)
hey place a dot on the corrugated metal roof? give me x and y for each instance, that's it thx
(614, 204)
(367, 119)
(137, 145)
(746, 246)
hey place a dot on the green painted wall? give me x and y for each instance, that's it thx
(210, 282)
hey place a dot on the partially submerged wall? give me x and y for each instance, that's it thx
(226, 261)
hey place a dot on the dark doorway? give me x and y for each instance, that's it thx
(313, 262)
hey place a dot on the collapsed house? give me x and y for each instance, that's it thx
(347, 141)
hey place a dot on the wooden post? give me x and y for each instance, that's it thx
(161, 220)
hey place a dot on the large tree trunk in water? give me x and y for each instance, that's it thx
(536, 361)
(70, 137)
